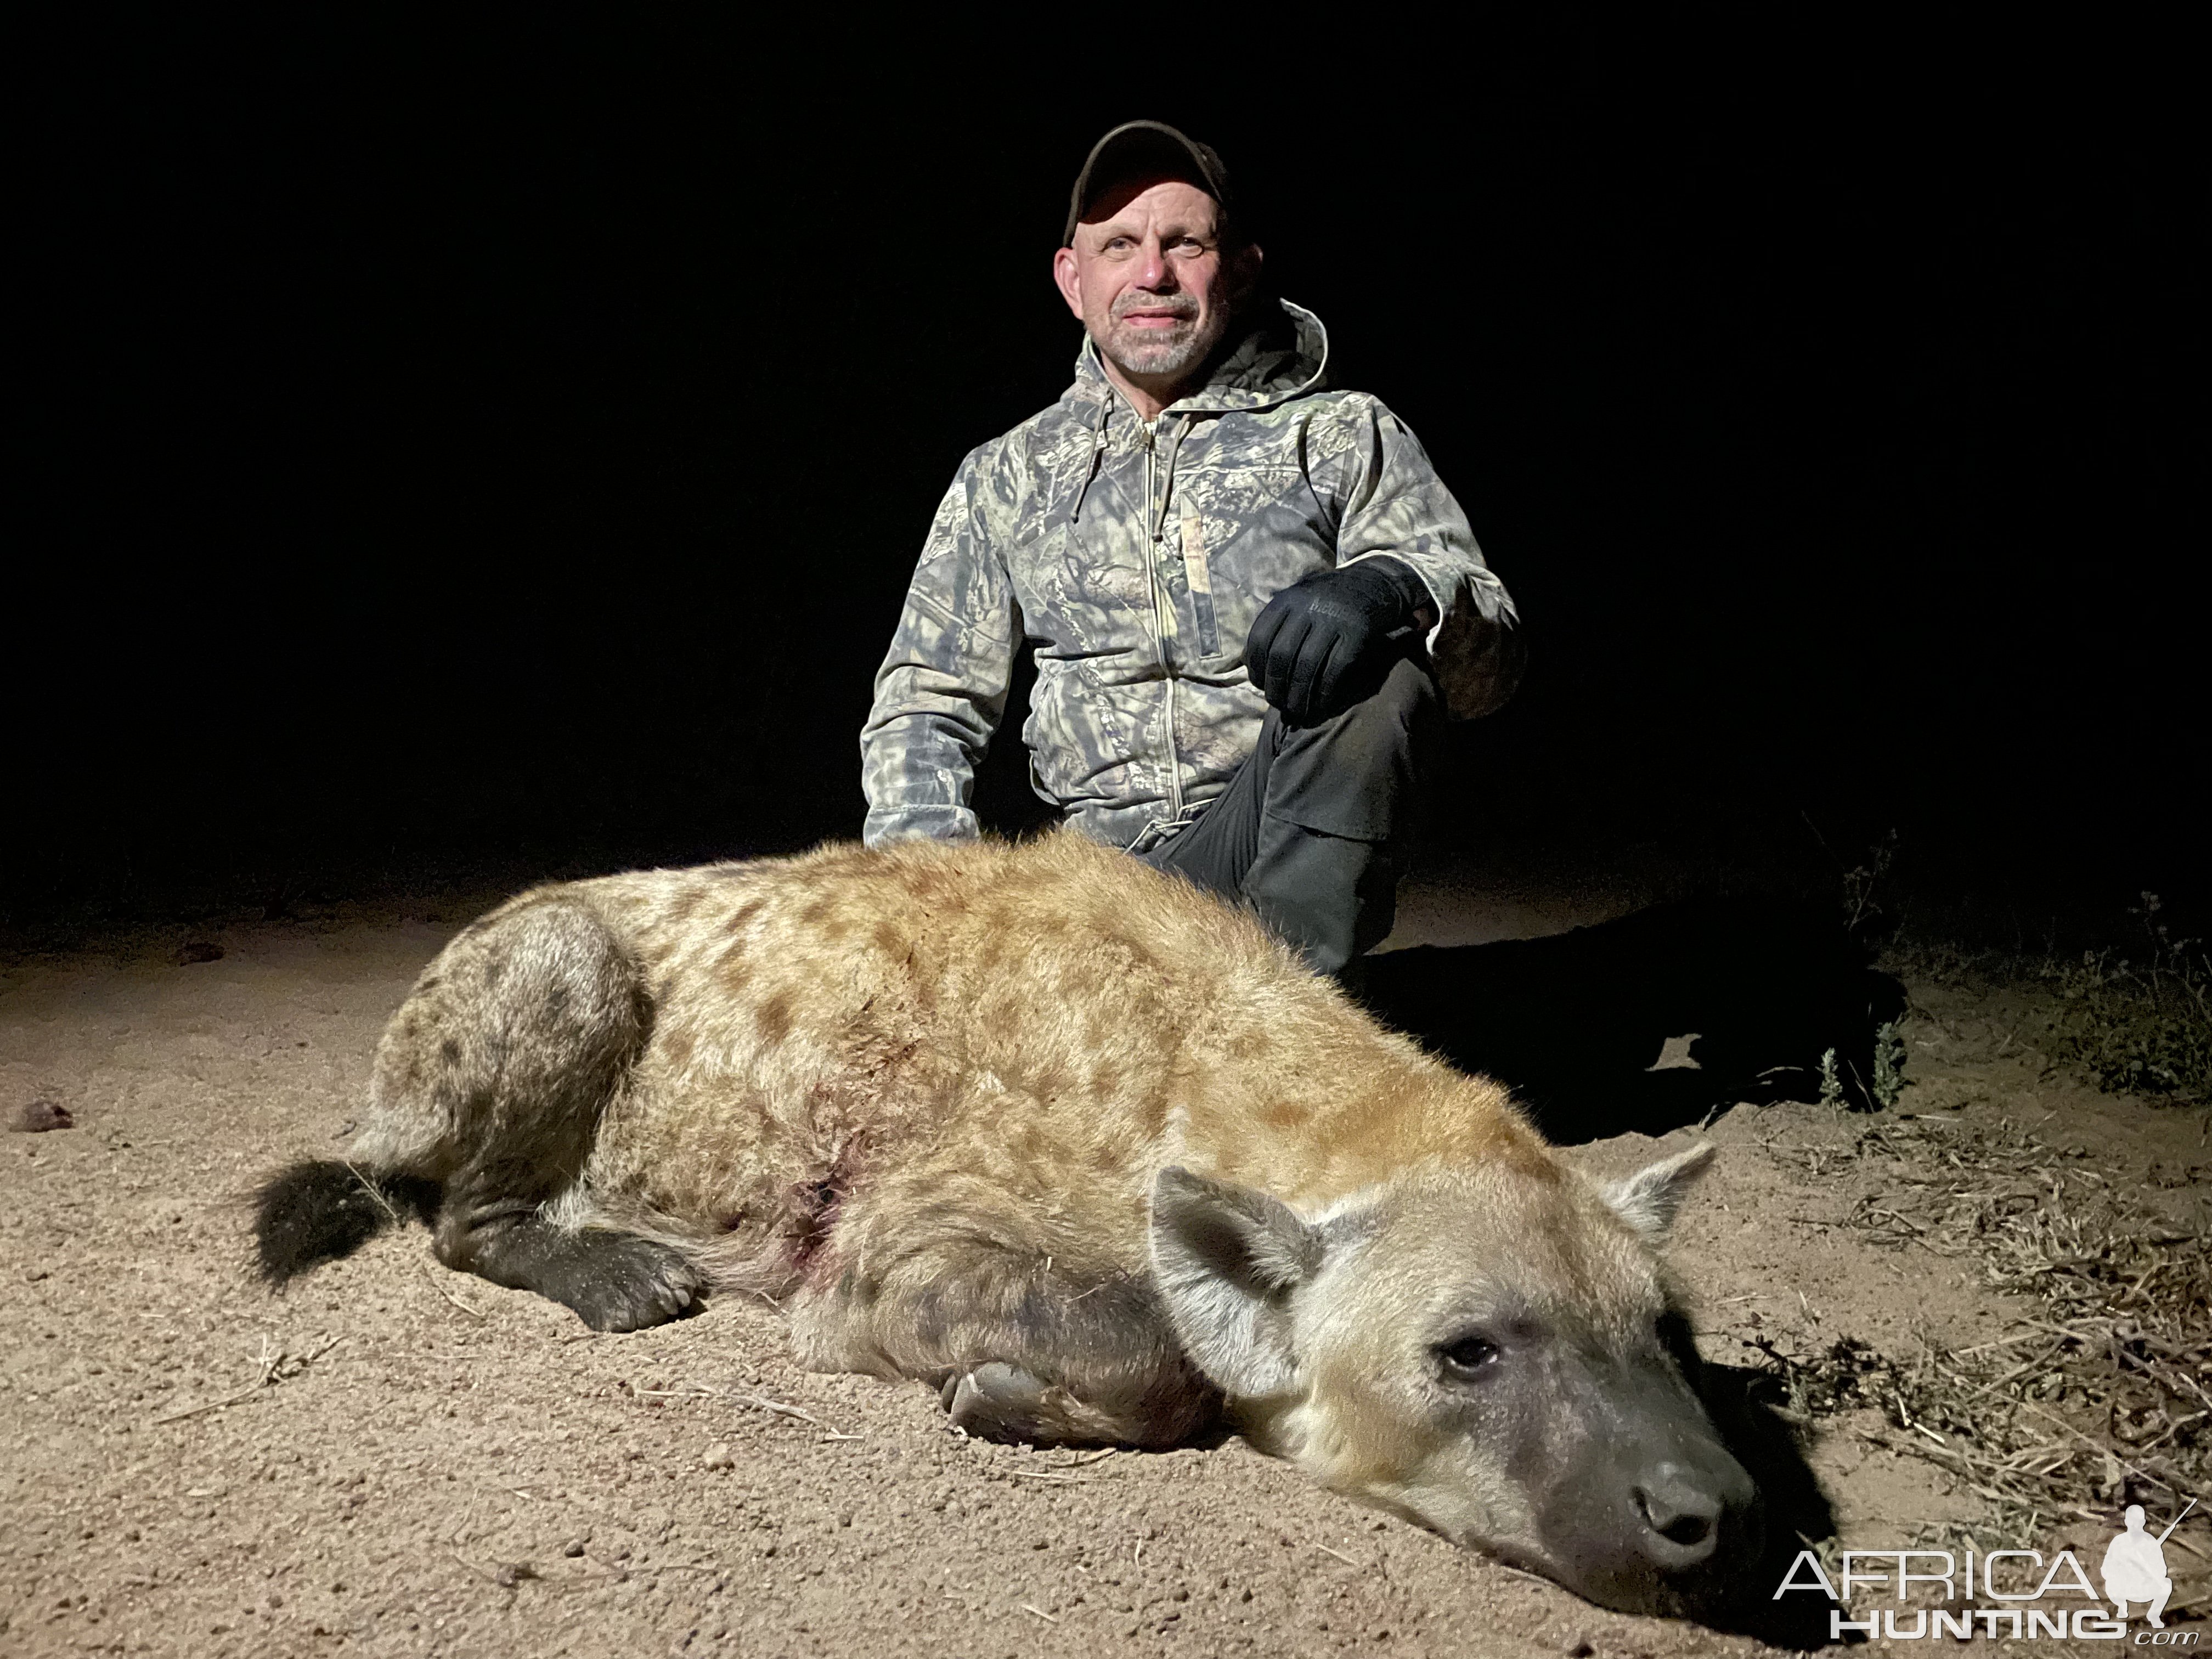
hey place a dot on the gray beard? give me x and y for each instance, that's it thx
(1184, 349)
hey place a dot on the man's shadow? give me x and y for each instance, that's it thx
(1652, 1020)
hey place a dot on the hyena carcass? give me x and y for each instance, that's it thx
(1076, 1143)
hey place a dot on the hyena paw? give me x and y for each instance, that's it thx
(627, 1284)
(998, 1402)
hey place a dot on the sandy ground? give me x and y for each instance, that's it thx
(394, 1459)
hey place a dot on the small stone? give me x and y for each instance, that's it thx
(573, 1548)
(513, 1574)
(718, 1457)
(40, 1116)
(199, 950)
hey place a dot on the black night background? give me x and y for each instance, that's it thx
(504, 451)
(457, 450)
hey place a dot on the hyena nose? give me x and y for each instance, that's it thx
(1681, 1515)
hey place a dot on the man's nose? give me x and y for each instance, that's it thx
(1153, 273)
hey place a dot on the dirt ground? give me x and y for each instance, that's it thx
(394, 1459)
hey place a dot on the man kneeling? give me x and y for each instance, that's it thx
(2134, 1570)
(1252, 600)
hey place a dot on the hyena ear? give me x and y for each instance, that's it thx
(1650, 1200)
(1227, 1259)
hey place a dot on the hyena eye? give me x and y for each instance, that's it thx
(1468, 1355)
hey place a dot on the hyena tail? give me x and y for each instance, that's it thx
(318, 1211)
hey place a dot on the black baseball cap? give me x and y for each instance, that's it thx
(1144, 147)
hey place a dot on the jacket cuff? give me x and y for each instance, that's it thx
(1439, 601)
(887, 825)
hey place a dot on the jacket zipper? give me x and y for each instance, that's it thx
(1159, 621)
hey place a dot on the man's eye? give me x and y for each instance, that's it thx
(1468, 1355)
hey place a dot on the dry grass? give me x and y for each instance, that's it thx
(2104, 1395)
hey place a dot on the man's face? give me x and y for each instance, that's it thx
(1149, 278)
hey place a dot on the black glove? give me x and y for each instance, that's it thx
(1324, 643)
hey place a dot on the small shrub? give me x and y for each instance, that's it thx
(2139, 1028)
(1862, 909)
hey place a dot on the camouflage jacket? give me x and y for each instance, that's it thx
(1135, 559)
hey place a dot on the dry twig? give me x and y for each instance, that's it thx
(757, 1402)
(276, 1366)
(473, 1313)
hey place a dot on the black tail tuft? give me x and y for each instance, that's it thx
(317, 1211)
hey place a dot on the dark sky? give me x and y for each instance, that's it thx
(515, 444)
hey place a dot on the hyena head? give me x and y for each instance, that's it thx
(1490, 1353)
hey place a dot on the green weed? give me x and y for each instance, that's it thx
(1889, 1064)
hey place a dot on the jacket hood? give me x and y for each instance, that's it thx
(1284, 354)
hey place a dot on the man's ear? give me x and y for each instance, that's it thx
(1227, 1259)
(1067, 278)
(1650, 1200)
(1249, 258)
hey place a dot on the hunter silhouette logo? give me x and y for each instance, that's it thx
(2135, 1566)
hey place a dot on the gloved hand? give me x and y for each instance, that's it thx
(1323, 644)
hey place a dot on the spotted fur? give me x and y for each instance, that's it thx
(1078, 1144)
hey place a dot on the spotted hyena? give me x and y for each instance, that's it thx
(1070, 1141)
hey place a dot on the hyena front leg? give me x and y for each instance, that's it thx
(1026, 1345)
(498, 1069)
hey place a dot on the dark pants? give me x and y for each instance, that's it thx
(1316, 826)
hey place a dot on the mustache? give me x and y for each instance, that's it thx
(1182, 306)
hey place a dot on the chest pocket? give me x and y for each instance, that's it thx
(1246, 534)
(1200, 575)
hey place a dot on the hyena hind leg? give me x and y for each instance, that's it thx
(1001, 1401)
(1022, 1350)
(510, 1048)
(612, 1281)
